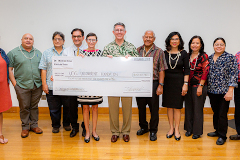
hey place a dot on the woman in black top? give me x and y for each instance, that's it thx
(176, 81)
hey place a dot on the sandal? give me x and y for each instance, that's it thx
(3, 140)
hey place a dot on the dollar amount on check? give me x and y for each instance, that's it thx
(103, 76)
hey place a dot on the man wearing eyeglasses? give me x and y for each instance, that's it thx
(149, 49)
(26, 80)
(75, 50)
(120, 48)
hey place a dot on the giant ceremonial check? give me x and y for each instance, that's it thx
(103, 76)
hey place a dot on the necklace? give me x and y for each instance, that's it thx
(170, 58)
(25, 55)
(146, 53)
(192, 61)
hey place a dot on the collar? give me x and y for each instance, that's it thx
(75, 48)
(224, 54)
(25, 50)
(53, 49)
(153, 47)
(90, 50)
(114, 42)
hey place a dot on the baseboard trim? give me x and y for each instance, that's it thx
(104, 110)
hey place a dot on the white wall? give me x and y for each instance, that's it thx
(207, 18)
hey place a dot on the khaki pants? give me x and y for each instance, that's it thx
(28, 102)
(113, 103)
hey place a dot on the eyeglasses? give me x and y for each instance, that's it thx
(219, 44)
(76, 36)
(119, 30)
(91, 40)
(176, 39)
(57, 39)
(148, 37)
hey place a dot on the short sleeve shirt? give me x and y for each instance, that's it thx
(159, 61)
(120, 51)
(46, 64)
(25, 66)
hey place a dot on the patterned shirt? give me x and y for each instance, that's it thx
(25, 66)
(222, 74)
(200, 70)
(238, 62)
(120, 51)
(159, 62)
(92, 53)
(46, 64)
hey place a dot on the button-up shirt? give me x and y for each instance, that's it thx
(159, 62)
(238, 62)
(222, 74)
(72, 50)
(120, 51)
(26, 70)
(46, 64)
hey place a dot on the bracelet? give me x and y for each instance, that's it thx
(185, 82)
(200, 84)
(162, 84)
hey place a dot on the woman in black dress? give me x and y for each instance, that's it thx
(176, 81)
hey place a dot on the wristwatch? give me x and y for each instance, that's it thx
(162, 84)
(200, 84)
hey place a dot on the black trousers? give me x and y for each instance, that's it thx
(220, 109)
(73, 111)
(194, 110)
(153, 103)
(55, 103)
(237, 108)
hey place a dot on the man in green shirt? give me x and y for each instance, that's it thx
(26, 80)
(120, 48)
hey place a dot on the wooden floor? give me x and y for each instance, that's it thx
(61, 146)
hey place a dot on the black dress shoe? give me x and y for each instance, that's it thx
(55, 130)
(235, 137)
(220, 141)
(87, 140)
(142, 131)
(169, 136)
(74, 132)
(212, 134)
(67, 128)
(187, 134)
(195, 136)
(177, 138)
(96, 138)
(153, 136)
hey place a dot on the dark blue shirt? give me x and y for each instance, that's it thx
(222, 74)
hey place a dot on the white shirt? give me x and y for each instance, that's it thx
(72, 50)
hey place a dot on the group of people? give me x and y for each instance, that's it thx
(177, 75)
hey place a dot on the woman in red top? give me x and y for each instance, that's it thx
(5, 97)
(197, 89)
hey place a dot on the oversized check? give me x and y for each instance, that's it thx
(103, 76)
